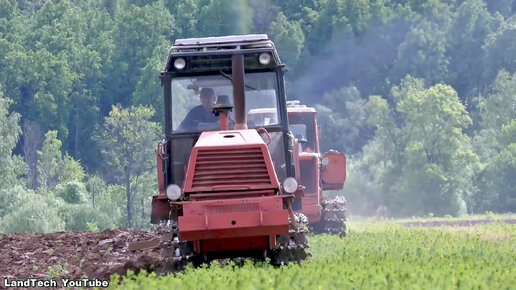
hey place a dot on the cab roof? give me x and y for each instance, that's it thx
(296, 107)
(222, 45)
(230, 39)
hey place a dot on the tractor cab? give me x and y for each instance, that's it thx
(206, 66)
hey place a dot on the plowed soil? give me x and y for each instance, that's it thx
(456, 223)
(74, 254)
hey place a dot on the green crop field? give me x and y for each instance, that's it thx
(373, 256)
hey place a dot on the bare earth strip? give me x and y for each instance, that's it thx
(457, 223)
(95, 255)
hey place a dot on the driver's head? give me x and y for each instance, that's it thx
(207, 98)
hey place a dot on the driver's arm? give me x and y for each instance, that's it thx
(189, 123)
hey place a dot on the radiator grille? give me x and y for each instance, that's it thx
(232, 208)
(221, 168)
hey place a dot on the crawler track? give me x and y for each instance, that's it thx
(333, 218)
(294, 246)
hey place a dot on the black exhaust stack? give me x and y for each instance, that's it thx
(237, 66)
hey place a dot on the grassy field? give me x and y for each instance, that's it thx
(375, 255)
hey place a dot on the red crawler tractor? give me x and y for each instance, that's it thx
(315, 172)
(230, 180)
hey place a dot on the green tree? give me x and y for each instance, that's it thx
(423, 53)
(186, 15)
(34, 215)
(144, 187)
(225, 17)
(496, 182)
(137, 32)
(500, 50)
(426, 163)
(500, 107)
(78, 216)
(344, 129)
(53, 168)
(72, 192)
(438, 149)
(264, 13)
(496, 143)
(11, 166)
(288, 38)
(128, 142)
(148, 91)
(497, 109)
(468, 33)
(95, 186)
(336, 18)
(49, 160)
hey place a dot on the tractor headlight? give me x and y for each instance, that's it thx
(264, 58)
(325, 161)
(290, 185)
(173, 192)
(180, 63)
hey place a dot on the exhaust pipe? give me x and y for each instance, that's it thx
(237, 67)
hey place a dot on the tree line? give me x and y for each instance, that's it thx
(419, 94)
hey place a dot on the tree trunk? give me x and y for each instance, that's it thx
(76, 134)
(33, 137)
(128, 196)
(143, 209)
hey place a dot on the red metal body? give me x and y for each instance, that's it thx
(230, 160)
(315, 176)
(310, 172)
(233, 219)
(232, 194)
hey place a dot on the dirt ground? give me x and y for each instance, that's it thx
(74, 254)
(456, 223)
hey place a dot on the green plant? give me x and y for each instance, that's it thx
(377, 255)
(57, 270)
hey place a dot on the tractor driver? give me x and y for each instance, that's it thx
(202, 113)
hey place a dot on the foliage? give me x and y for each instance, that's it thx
(11, 199)
(144, 187)
(373, 256)
(288, 37)
(82, 217)
(34, 215)
(127, 143)
(50, 156)
(500, 108)
(11, 166)
(53, 167)
(224, 17)
(73, 192)
(342, 117)
(496, 142)
(421, 153)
